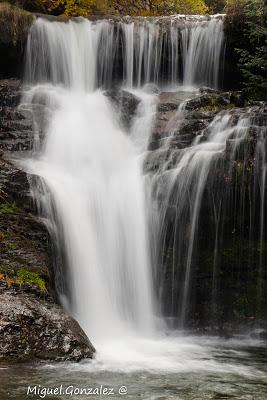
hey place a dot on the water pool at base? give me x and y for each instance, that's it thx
(191, 368)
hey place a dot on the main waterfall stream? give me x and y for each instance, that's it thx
(99, 207)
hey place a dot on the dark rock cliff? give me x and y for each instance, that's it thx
(228, 286)
(14, 27)
(32, 324)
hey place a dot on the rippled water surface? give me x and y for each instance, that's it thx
(170, 368)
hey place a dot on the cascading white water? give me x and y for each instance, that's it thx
(92, 169)
(197, 65)
(173, 51)
(185, 53)
(185, 179)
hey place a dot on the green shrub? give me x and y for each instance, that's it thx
(248, 21)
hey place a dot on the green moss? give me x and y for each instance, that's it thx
(216, 106)
(24, 276)
(8, 208)
(242, 308)
(243, 250)
(211, 108)
(229, 106)
(4, 268)
(242, 291)
(11, 245)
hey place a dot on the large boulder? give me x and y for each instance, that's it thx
(35, 328)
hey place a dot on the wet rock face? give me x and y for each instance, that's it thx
(23, 239)
(195, 116)
(182, 126)
(32, 325)
(33, 328)
(125, 104)
(15, 125)
(224, 295)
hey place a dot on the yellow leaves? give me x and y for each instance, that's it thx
(7, 279)
(117, 7)
(235, 7)
(126, 7)
(2, 236)
(161, 7)
(73, 7)
(191, 7)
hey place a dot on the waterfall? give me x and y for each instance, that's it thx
(201, 62)
(92, 178)
(113, 227)
(211, 202)
(93, 196)
(162, 51)
(185, 182)
(152, 52)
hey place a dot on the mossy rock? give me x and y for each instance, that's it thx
(242, 291)
(210, 102)
(23, 277)
(8, 208)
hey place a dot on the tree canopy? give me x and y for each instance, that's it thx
(122, 7)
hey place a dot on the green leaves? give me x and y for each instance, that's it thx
(253, 49)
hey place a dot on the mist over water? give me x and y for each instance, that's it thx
(94, 197)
